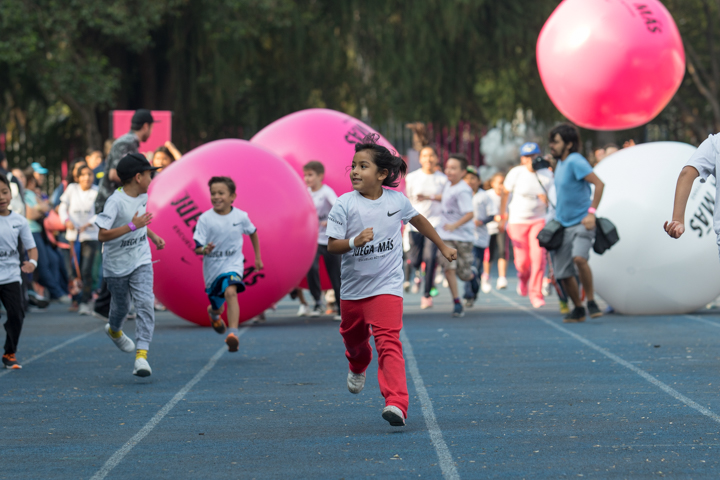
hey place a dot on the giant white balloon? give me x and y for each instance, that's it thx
(647, 272)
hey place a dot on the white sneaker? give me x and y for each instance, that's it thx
(303, 311)
(65, 300)
(546, 288)
(142, 368)
(356, 382)
(85, 309)
(337, 318)
(501, 283)
(485, 285)
(394, 416)
(123, 343)
(316, 311)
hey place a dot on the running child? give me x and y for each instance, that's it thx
(13, 228)
(127, 262)
(483, 212)
(219, 238)
(324, 198)
(456, 228)
(364, 226)
(497, 249)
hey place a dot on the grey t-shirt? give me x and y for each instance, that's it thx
(128, 143)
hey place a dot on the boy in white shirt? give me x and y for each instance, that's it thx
(77, 212)
(424, 189)
(456, 229)
(484, 211)
(219, 238)
(324, 198)
(13, 227)
(127, 262)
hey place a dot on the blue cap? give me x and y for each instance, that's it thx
(37, 168)
(529, 148)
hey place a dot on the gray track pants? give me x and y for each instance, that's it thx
(139, 286)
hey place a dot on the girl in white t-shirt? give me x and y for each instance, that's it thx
(364, 227)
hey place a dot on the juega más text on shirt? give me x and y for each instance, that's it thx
(189, 213)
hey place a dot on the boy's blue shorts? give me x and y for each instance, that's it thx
(216, 292)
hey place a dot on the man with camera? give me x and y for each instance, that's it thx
(575, 211)
(526, 190)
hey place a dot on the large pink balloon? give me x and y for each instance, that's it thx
(327, 136)
(318, 134)
(274, 198)
(610, 64)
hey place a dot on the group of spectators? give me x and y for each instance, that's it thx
(69, 269)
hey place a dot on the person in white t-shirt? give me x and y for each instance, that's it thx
(13, 227)
(324, 198)
(219, 238)
(484, 211)
(127, 262)
(364, 227)
(457, 230)
(527, 210)
(77, 211)
(497, 250)
(424, 188)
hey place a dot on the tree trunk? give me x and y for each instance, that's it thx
(89, 121)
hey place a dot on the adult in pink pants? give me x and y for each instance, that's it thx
(525, 194)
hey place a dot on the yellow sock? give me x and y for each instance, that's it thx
(115, 334)
(141, 354)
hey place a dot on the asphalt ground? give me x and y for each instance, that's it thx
(505, 392)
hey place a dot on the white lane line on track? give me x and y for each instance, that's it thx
(118, 456)
(447, 465)
(702, 320)
(55, 348)
(645, 375)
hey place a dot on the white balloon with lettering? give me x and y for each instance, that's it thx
(647, 272)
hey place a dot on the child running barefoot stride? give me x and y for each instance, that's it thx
(127, 261)
(364, 226)
(13, 227)
(219, 238)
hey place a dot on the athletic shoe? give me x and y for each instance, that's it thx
(36, 300)
(232, 342)
(159, 307)
(132, 315)
(355, 382)
(415, 285)
(501, 283)
(537, 303)
(394, 416)
(10, 362)
(458, 310)
(406, 286)
(85, 309)
(218, 325)
(65, 299)
(485, 284)
(426, 302)
(142, 368)
(609, 310)
(123, 342)
(546, 287)
(576, 316)
(564, 309)
(434, 292)
(469, 302)
(303, 311)
(522, 289)
(593, 309)
(317, 311)
(337, 317)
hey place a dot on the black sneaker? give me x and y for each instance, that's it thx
(458, 310)
(593, 309)
(577, 315)
(11, 362)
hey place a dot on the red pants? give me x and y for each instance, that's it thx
(529, 257)
(380, 316)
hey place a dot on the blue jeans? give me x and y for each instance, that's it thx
(49, 268)
(472, 287)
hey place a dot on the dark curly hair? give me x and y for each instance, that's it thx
(384, 159)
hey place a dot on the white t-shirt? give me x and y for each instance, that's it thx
(705, 160)
(226, 233)
(456, 202)
(12, 228)
(420, 183)
(78, 206)
(126, 253)
(492, 227)
(376, 268)
(525, 206)
(483, 207)
(324, 199)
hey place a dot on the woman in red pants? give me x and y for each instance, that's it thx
(364, 226)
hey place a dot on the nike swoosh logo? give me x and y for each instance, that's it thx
(144, 204)
(236, 224)
(391, 214)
